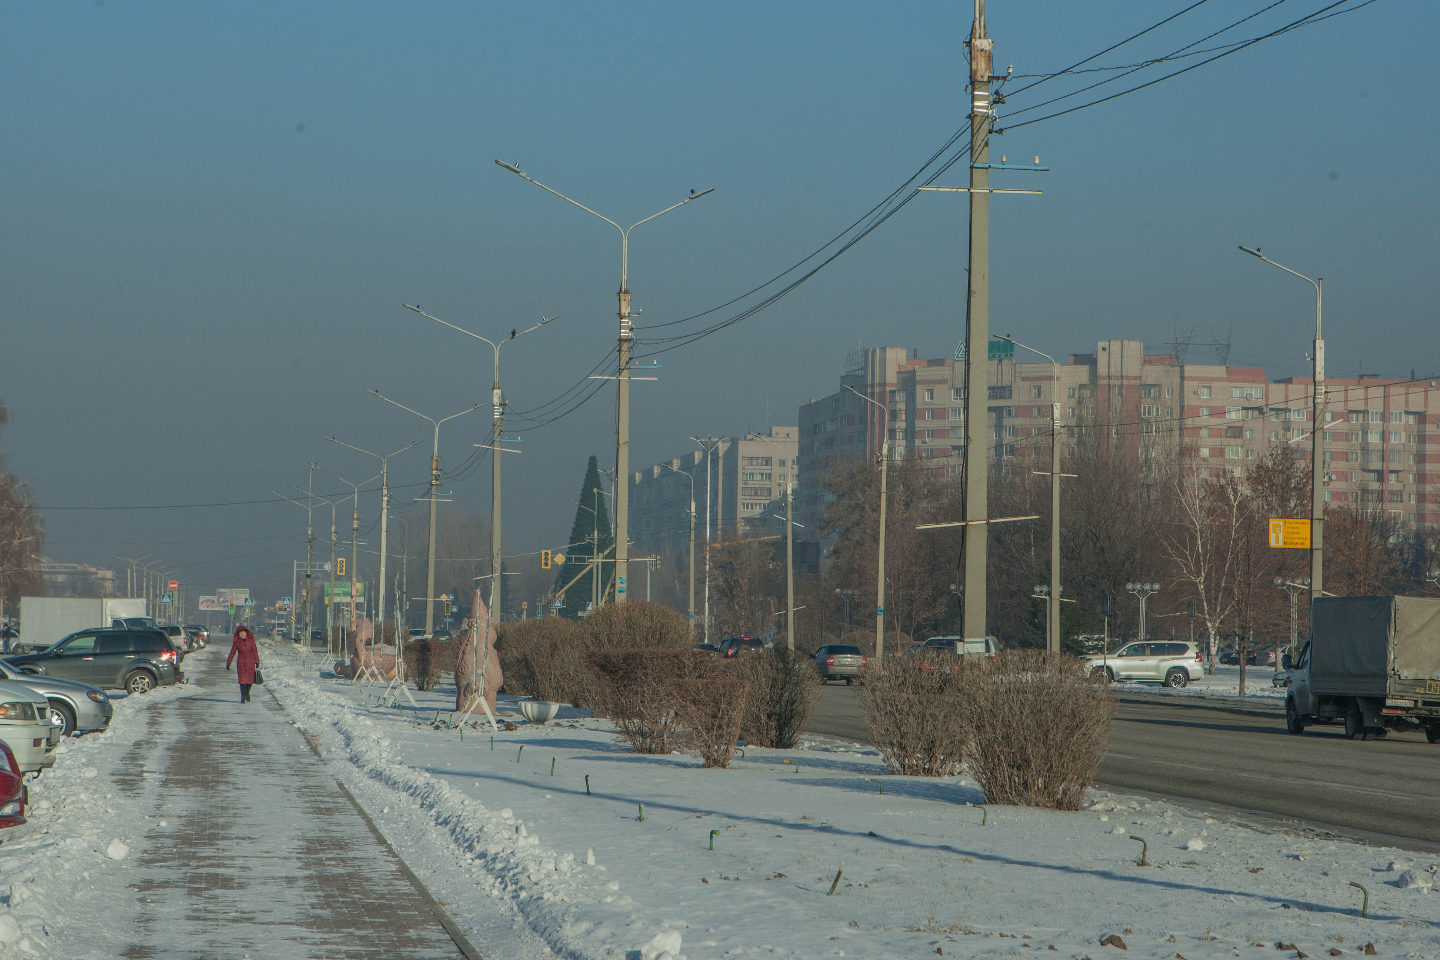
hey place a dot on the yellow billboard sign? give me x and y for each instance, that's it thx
(1290, 534)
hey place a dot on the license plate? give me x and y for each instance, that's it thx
(1391, 702)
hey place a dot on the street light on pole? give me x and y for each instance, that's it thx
(309, 541)
(709, 445)
(880, 565)
(1294, 588)
(845, 595)
(789, 547)
(1144, 591)
(692, 541)
(1052, 630)
(626, 347)
(329, 570)
(434, 492)
(497, 403)
(1317, 438)
(354, 539)
(384, 525)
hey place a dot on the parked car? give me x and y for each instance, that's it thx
(199, 637)
(1174, 663)
(732, 647)
(26, 727)
(839, 661)
(179, 637)
(133, 660)
(80, 706)
(709, 648)
(959, 646)
(1229, 656)
(1261, 658)
(14, 795)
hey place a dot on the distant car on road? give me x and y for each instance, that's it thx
(136, 660)
(732, 647)
(959, 646)
(79, 705)
(1174, 663)
(839, 661)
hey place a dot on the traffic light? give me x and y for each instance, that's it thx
(340, 567)
(447, 608)
(544, 559)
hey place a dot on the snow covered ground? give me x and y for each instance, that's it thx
(606, 854)
(1223, 685)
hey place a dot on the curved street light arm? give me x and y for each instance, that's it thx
(516, 170)
(402, 406)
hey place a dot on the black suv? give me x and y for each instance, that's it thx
(135, 660)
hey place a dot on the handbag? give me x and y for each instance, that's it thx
(259, 677)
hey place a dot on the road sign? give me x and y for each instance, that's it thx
(524, 605)
(165, 599)
(1290, 534)
(284, 601)
(246, 601)
(558, 603)
(558, 558)
(337, 588)
(174, 584)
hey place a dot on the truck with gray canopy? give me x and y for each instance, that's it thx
(1372, 663)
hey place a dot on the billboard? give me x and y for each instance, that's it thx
(342, 589)
(232, 594)
(213, 603)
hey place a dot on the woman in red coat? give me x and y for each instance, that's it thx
(247, 657)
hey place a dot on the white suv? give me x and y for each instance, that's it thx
(1172, 662)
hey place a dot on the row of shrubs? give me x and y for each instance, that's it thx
(1031, 728)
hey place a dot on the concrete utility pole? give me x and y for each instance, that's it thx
(1317, 437)
(309, 540)
(789, 548)
(497, 403)
(692, 542)
(433, 495)
(354, 541)
(626, 348)
(708, 444)
(384, 525)
(880, 562)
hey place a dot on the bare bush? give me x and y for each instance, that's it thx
(916, 716)
(638, 690)
(783, 688)
(636, 623)
(1038, 725)
(426, 661)
(545, 659)
(710, 713)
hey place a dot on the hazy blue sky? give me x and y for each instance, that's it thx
(213, 212)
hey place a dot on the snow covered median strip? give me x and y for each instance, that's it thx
(921, 875)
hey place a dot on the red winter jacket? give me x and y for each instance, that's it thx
(244, 651)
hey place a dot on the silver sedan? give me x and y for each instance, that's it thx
(83, 708)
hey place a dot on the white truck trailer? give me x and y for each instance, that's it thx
(47, 620)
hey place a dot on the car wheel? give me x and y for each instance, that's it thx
(139, 682)
(1176, 678)
(1107, 675)
(1293, 721)
(849, 681)
(1432, 733)
(1354, 723)
(66, 714)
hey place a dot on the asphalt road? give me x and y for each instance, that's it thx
(1386, 790)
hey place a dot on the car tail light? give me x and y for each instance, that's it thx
(1198, 658)
(10, 758)
(168, 655)
(829, 660)
(863, 661)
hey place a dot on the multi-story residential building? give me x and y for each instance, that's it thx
(746, 482)
(1151, 404)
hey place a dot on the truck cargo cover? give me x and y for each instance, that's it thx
(1417, 638)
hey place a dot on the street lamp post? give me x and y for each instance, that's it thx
(1317, 437)
(354, 541)
(308, 507)
(384, 525)
(497, 404)
(880, 564)
(329, 569)
(789, 547)
(434, 492)
(845, 595)
(709, 445)
(692, 541)
(1052, 630)
(626, 347)
(1144, 591)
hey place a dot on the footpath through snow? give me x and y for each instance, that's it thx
(607, 854)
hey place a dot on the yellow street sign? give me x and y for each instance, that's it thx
(1290, 534)
(559, 558)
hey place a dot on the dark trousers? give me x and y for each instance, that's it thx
(245, 693)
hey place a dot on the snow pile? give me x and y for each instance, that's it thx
(812, 857)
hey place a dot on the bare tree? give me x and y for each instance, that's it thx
(22, 533)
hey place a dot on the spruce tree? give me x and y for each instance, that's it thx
(592, 520)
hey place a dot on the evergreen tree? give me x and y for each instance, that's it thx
(591, 529)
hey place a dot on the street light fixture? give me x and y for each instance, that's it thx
(626, 348)
(497, 403)
(354, 541)
(709, 445)
(1294, 588)
(434, 492)
(1052, 630)
(880, 564)
(687, 476)
(1144, 591)
(1317, 437)
(846, 595)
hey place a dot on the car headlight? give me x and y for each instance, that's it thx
(99, 696)
(17, 711)
(12, 809)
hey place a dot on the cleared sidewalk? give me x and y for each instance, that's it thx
(263, 855)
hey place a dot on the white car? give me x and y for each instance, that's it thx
(27, 727)
(1174, 663)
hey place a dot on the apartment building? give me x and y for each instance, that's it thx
(1149, 404)
(746, 487)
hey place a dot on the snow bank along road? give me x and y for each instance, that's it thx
(1385, 789)
(819, 852)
